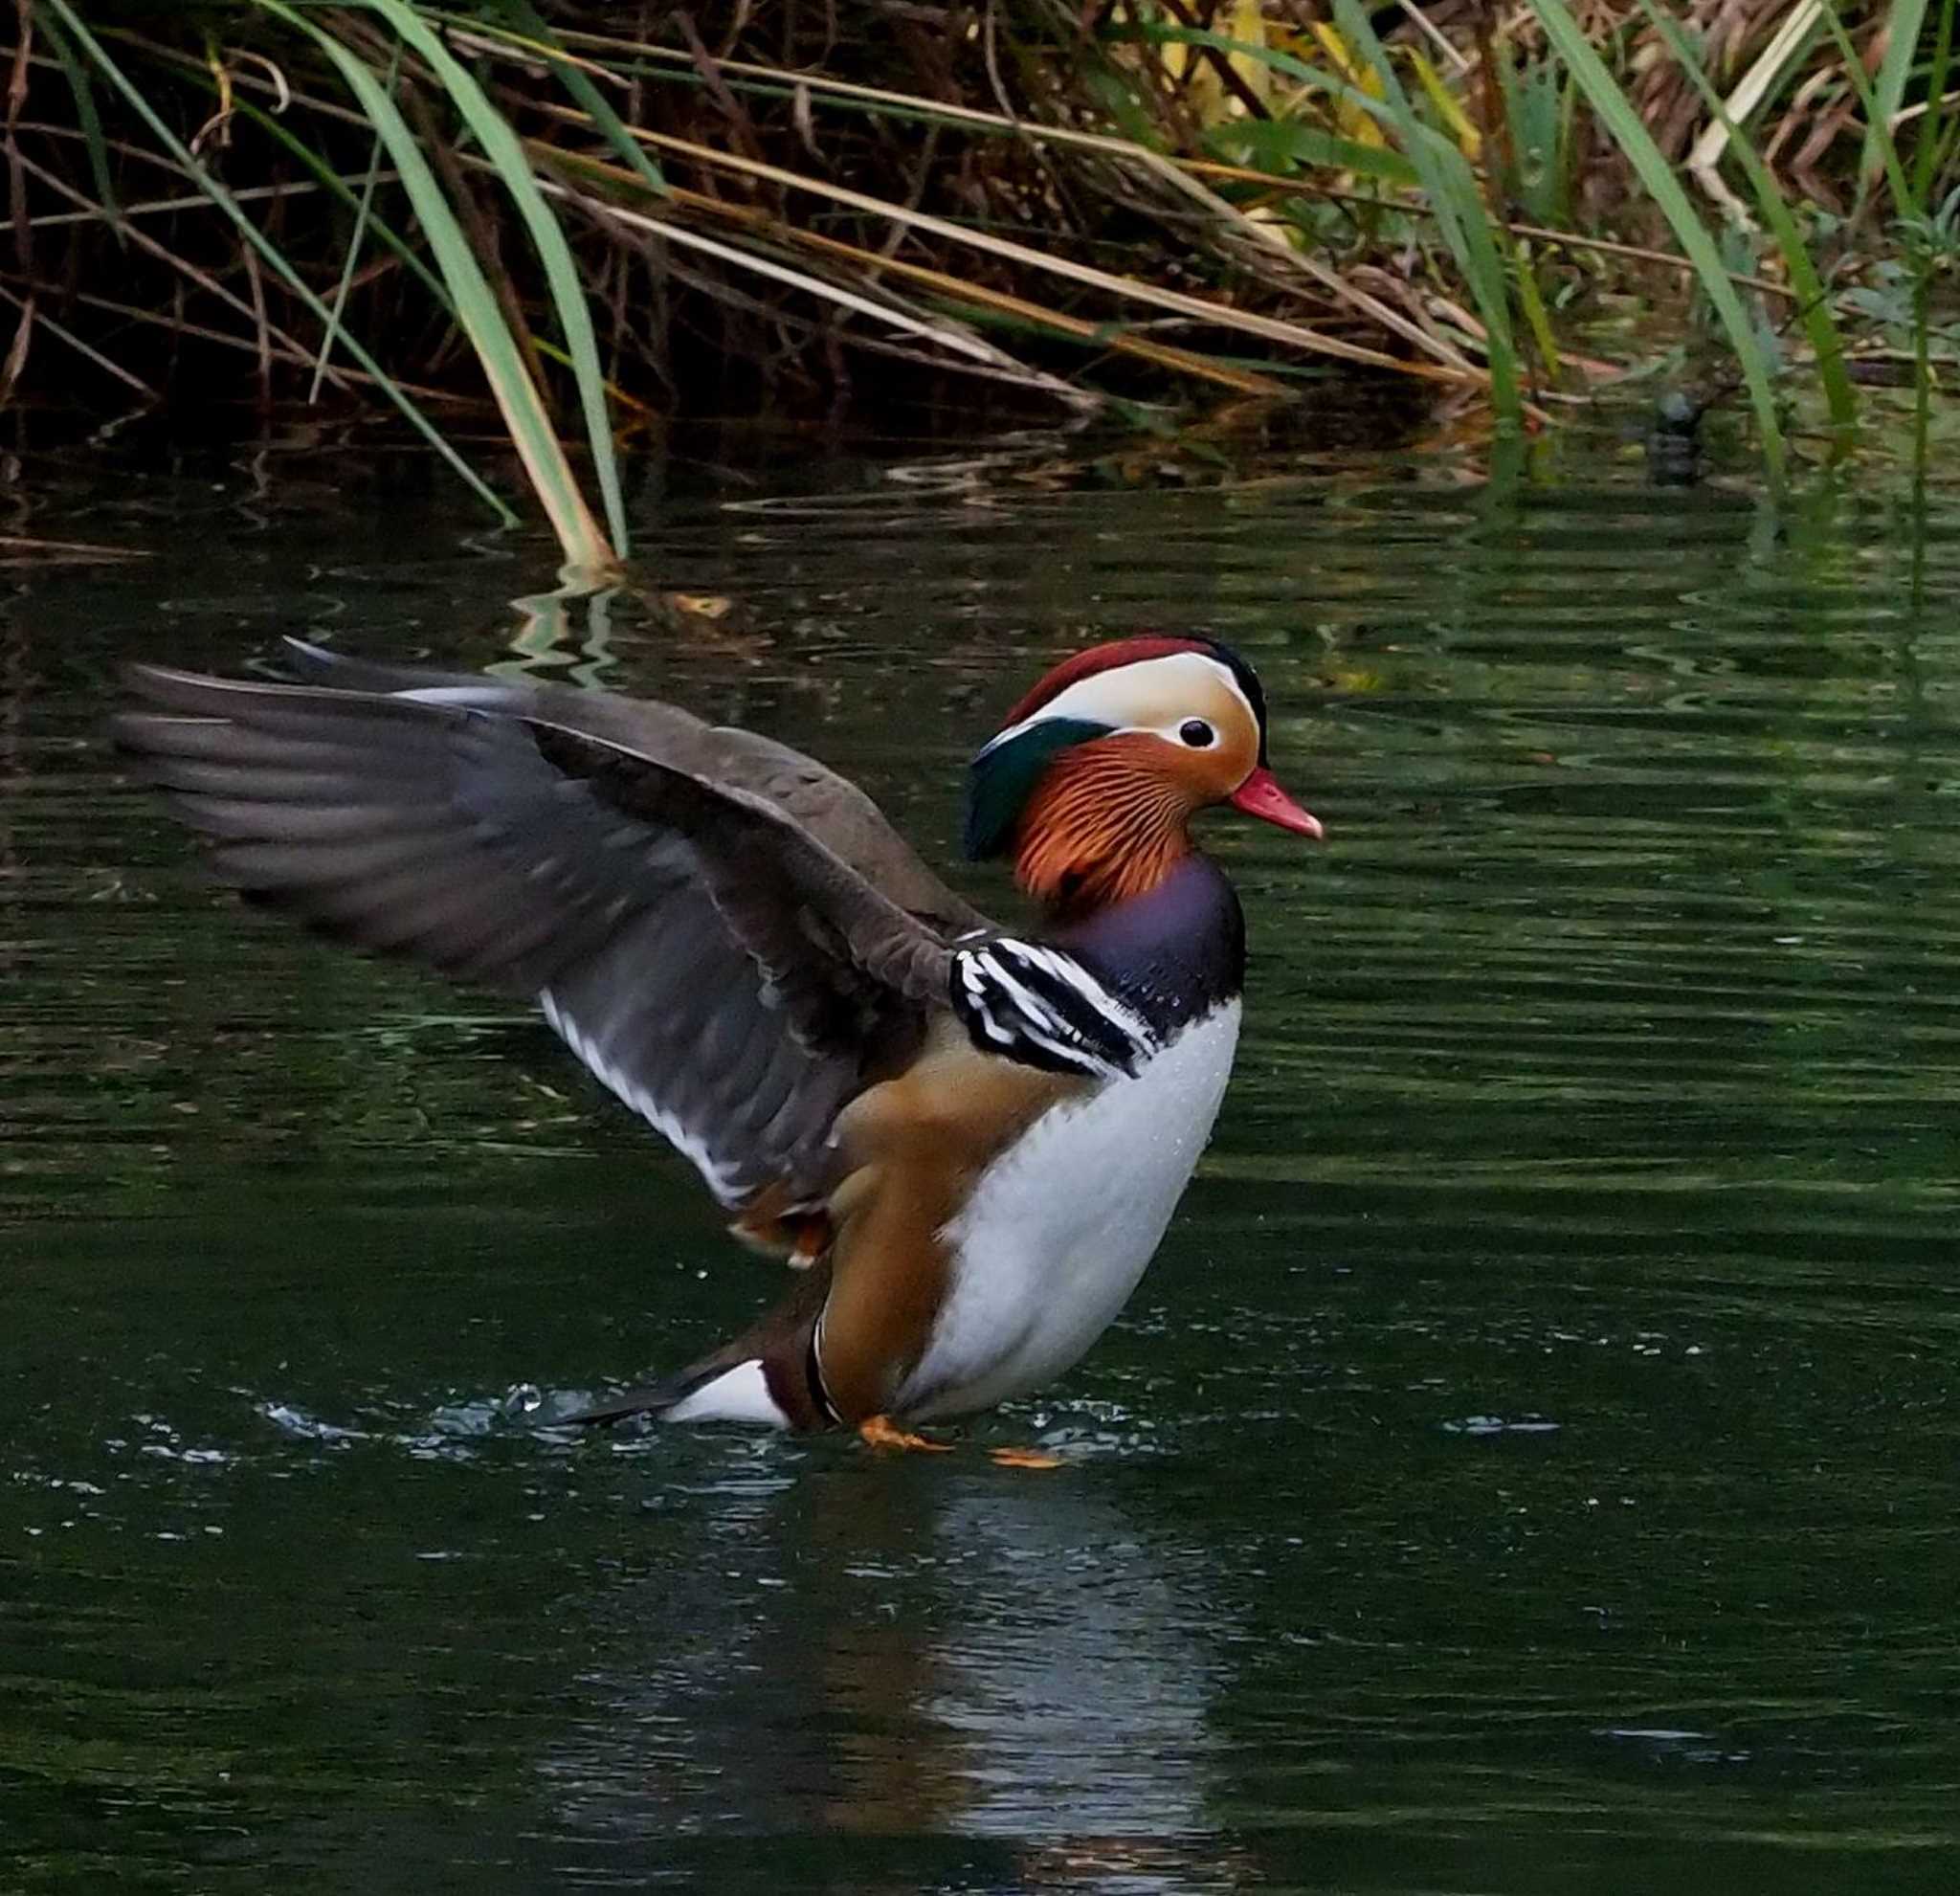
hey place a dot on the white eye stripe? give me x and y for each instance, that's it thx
(1111, 698)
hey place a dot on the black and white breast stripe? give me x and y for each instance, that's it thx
(1043, 1007)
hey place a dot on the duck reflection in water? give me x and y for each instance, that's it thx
(1001, 1671)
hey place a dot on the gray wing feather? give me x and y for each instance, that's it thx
(713, 962)
(831, 809)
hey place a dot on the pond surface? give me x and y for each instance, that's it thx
(1530, 1465)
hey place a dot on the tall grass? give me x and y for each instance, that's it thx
(518, 208)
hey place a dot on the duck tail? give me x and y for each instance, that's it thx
(652, 1400)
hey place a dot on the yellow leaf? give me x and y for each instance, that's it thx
(1352, 122)
(1355, 677)
(1247, 23)
(1447, 107)
(1344, 60)
(702, 605)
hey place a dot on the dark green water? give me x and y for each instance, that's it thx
(1530, 1466)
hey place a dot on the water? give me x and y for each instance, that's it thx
(1528, 1466)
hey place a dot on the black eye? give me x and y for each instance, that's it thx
(1196, 733)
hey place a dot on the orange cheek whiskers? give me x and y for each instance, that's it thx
(1106, 824)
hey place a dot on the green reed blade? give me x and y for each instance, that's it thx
(1532, 305)
(1925, 158)
(1888, 92)
(1877, 124)
(587, 97)
(378, 226)
(1460, 210)
(477, 308)
(1617, 113)
(1445, 176)
(90, 121)
(502, 148)
(194, 169)
(1813, 302)
(363, 214)
(1273, 143)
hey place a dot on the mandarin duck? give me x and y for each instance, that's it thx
(972, 1138)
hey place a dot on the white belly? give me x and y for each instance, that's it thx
(1060, 1226)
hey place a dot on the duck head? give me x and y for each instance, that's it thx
(1092, 782)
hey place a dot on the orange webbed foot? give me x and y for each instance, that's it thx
(882, 1432)
(1024, 1458)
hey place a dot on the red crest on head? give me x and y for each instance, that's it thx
(1098, 658)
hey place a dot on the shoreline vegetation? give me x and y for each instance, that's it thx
(562, 223)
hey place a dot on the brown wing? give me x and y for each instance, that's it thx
(719, 966)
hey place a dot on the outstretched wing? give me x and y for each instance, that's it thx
(719, 966)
